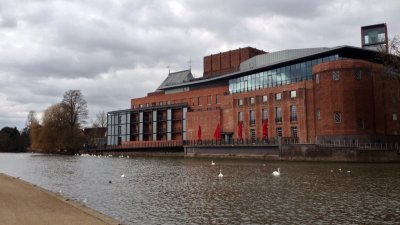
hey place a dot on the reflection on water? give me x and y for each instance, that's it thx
(188, 191)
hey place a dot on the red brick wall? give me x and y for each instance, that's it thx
(226, 62)
(302, 89)
(368, 99)
(208, 121)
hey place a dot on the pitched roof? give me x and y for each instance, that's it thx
(176, 78)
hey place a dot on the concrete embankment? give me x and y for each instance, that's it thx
(314, 152)
(296, 152)
(25, 203)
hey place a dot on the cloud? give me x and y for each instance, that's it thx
(116, 50)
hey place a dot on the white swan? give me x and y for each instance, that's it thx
(212, 163)
(276, 173)
(123, 176)
(220, 174)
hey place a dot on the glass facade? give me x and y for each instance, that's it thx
(276, 77)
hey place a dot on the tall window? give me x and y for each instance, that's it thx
(279, 131)
(317, 78)
(358, 75)
(264, 114)
(252, 117)
(264, 98)
(278, 96)
(217, 99)
(335, 75)
(240, 116)
(293, 113)
(337, 117)
(199, 101)
(252, 100)
(240, 102)
(394, 116)
(293, 94)
(293, 131)
(278, 114)
(209, 100)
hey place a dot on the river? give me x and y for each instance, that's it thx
(176, 190)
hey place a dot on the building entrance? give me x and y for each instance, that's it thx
(252, 135)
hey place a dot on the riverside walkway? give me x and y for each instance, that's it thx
(25, 203)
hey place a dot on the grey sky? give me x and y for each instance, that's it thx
(117, 50)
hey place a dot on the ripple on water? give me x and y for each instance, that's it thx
(188, 191)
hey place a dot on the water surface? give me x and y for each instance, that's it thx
(188, 191)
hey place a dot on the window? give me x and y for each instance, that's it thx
(240, 102)
(160, 103)
(217, 99)
(264, 98)
(358, 75)
(252, 117)
(293, 131)
(133, 106)
(335, 75)
(240, 116)
(198, 100)
(278, 96)
(293, 113)
(317, 78)
(318, 114)
(293, 94)
(337, 117)
(119, 129)
(264, 114)
(140, 106)
(394, 116)
(279, 131)
(209, 100)
(147, 104)
(251, 100)
(168, 102)
(278, 114)
(360, 123)
(119, 119)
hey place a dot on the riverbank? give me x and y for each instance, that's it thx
(25, 203)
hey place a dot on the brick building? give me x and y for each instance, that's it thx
(317, 93)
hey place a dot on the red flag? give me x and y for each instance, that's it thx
(199, 133)
(217, 133)
(240, 130)
(265, 129)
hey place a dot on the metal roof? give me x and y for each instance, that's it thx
(176, 78)
(279, 57)
(271, 59)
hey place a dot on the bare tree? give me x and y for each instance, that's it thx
(75, 107)
(31, 119)
(101, 119)
(391, 59)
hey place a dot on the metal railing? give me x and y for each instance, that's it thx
(230, 142)
(344, 144)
